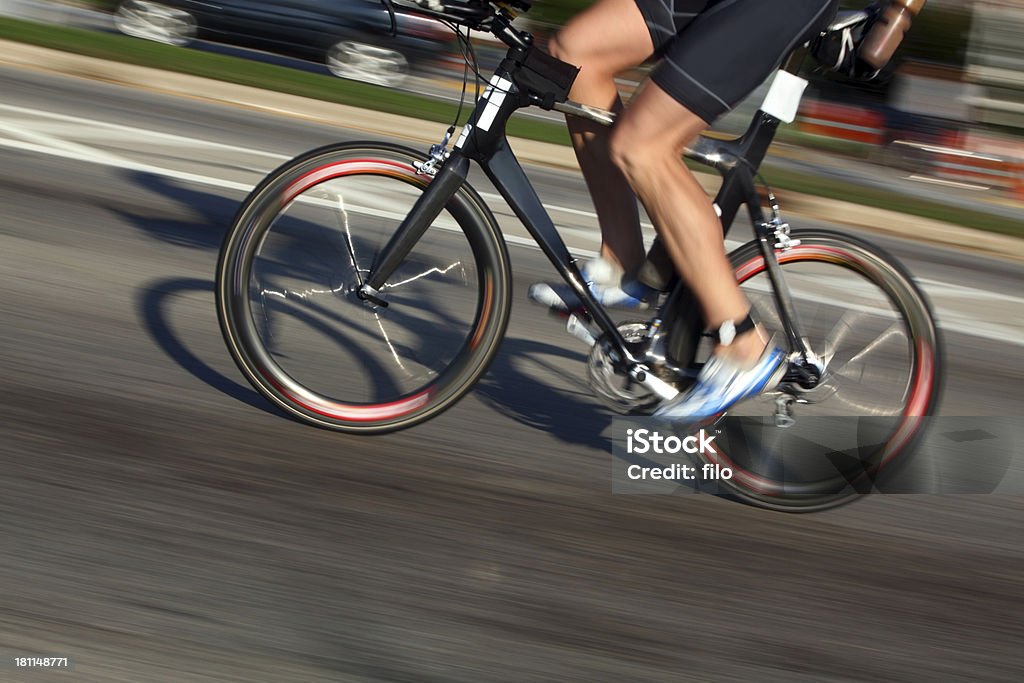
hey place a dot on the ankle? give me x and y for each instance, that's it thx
(626, 269)
(745, 349)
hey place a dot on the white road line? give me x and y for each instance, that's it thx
(89, 156)
(491, 197)
(132, 133)
(949, 183)
(51, 142)
(969, 293)
(81, 153)
(77, 130)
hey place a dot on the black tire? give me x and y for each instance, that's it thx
(286, 281)
(155, 21)
(883, 356)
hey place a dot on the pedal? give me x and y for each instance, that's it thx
(784, 412)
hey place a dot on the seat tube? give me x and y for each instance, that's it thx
(766, 239)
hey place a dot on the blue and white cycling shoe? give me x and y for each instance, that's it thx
(721, 384)
(605, 283)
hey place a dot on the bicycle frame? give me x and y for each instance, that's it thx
(484, 141)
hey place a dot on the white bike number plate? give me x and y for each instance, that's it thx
(494, 96)
(783, 99)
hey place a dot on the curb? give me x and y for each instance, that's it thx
(423, 132)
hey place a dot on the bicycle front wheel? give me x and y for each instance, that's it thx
(287, 283)
(873, 339)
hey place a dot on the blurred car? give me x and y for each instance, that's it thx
(352, 37)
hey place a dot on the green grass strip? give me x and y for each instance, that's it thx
(330, 89)
(255, 74)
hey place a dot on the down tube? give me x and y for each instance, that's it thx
(509, 178)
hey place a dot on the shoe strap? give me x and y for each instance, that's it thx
(731, 329)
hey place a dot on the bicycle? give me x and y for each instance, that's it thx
(365, 287)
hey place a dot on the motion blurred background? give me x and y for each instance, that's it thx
(160, 522)
(949, 110)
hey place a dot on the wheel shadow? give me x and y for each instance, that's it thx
(152, 305)
(514, 385)
(569, 415)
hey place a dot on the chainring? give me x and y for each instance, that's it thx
(619, 392)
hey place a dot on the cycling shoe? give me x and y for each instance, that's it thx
(607, 287)
(721, 384)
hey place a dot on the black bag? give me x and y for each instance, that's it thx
(545, 77)
(837, 50)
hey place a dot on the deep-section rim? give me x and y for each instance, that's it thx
(272, 196)
(748, 262)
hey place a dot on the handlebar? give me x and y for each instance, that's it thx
(478, 15)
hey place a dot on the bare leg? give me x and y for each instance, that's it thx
(642, 154)
(647, 144)
(606, 39)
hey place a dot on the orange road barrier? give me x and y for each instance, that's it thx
(844, 122)
(987, 171)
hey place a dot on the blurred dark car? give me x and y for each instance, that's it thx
(352, 37)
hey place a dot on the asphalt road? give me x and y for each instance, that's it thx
(162, 523)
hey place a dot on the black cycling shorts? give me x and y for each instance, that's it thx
(716, 52)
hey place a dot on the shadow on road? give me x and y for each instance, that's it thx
(152, 302)
(571, 416)
(212, 213)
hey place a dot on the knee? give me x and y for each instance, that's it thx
(645, 148)
(557, 47)
(578, 47)
(565, 47)
(634, 156)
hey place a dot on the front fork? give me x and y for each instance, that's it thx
(427, 208)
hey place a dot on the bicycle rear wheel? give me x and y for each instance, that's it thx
(878, 350)
(292, 263)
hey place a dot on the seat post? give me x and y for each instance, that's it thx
(794, 63)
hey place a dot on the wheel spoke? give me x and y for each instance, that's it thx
(347, 231)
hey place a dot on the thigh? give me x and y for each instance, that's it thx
(608, 37)
(731, 47)
(665, 19)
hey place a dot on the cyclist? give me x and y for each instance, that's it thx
(712, 54)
